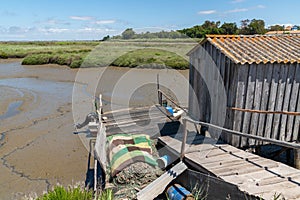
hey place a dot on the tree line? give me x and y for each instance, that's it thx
(247, 27)
(129, 33)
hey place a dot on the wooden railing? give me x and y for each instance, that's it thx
(292, 145)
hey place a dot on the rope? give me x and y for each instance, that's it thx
(266, 111)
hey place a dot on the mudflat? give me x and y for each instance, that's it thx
(39, 106)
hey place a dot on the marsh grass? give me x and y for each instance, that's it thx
(123, 53)
(70, 193)
(151, 58)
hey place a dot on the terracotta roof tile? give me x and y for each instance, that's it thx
(258, 48)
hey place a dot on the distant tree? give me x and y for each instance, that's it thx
(245, 23)
(229, 28)
(199, 31)
(106, 38)
(257, 26)
(244, 27)
(276, 28)
(128, 34)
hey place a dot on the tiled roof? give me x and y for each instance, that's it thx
(258, 48)
(282, 32)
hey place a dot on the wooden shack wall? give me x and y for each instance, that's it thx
(209, 69)
(273, 87)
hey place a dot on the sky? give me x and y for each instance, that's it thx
(94, 19)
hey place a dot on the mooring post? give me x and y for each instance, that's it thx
(297, 158)
(184, 121)
(100, 108)
(159, 95)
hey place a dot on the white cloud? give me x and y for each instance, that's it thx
(54, 33)
(57, 30)
(237, 10)
(237, 1)
(81, 18)
(260, 6)
(93, 30)
(105, 21)
(207, 12)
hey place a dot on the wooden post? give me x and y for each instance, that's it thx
(100, 107)
(95, 175)
(159, 95)
(297, 158)
(184, 121)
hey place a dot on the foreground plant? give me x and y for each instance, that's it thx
(70, 193)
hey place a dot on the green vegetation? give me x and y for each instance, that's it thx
(61, 193)
(255, 26)
(154, 53)
(69, 53)
(74, 60)
(106, 195)
(129, 33)
(151, 58)
(105, 53)
(75, 193)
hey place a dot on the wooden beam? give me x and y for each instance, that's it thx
(297, 158)
(184, 139)
(232, 132)
(158, 186)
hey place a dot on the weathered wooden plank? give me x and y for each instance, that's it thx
(256, 102)
(248, 103)
(239, 103)
(245, 168)
(279, 101)
(100, 147)
(272, 100)
(191, 85)
(268, 72)
(128, 116)
(267, 191)
(143, 118)
(193, 95)
(214, 90)
(158, 186)
(251, 173)
(208, 81)
(287, 101)
(124, 112)
(202, 88)
(296, 121)
(228, 81)
(222, 83)
(227, 162)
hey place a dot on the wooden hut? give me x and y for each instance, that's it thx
(260, 76)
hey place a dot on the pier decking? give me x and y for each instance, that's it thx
(252, 174)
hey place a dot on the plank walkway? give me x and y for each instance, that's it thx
(251, 173)
(146, 120)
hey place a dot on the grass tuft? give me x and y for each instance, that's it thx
(61, 193)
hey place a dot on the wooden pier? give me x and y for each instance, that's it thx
(253, 175)
(249, 173)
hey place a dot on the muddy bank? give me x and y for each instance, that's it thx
(37, 145)
(40, 104)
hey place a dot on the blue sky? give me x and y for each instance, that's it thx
(93, 19)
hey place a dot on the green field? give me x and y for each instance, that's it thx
(153, 53)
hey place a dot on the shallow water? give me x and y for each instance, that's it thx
(39, 85)
(12, 110)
